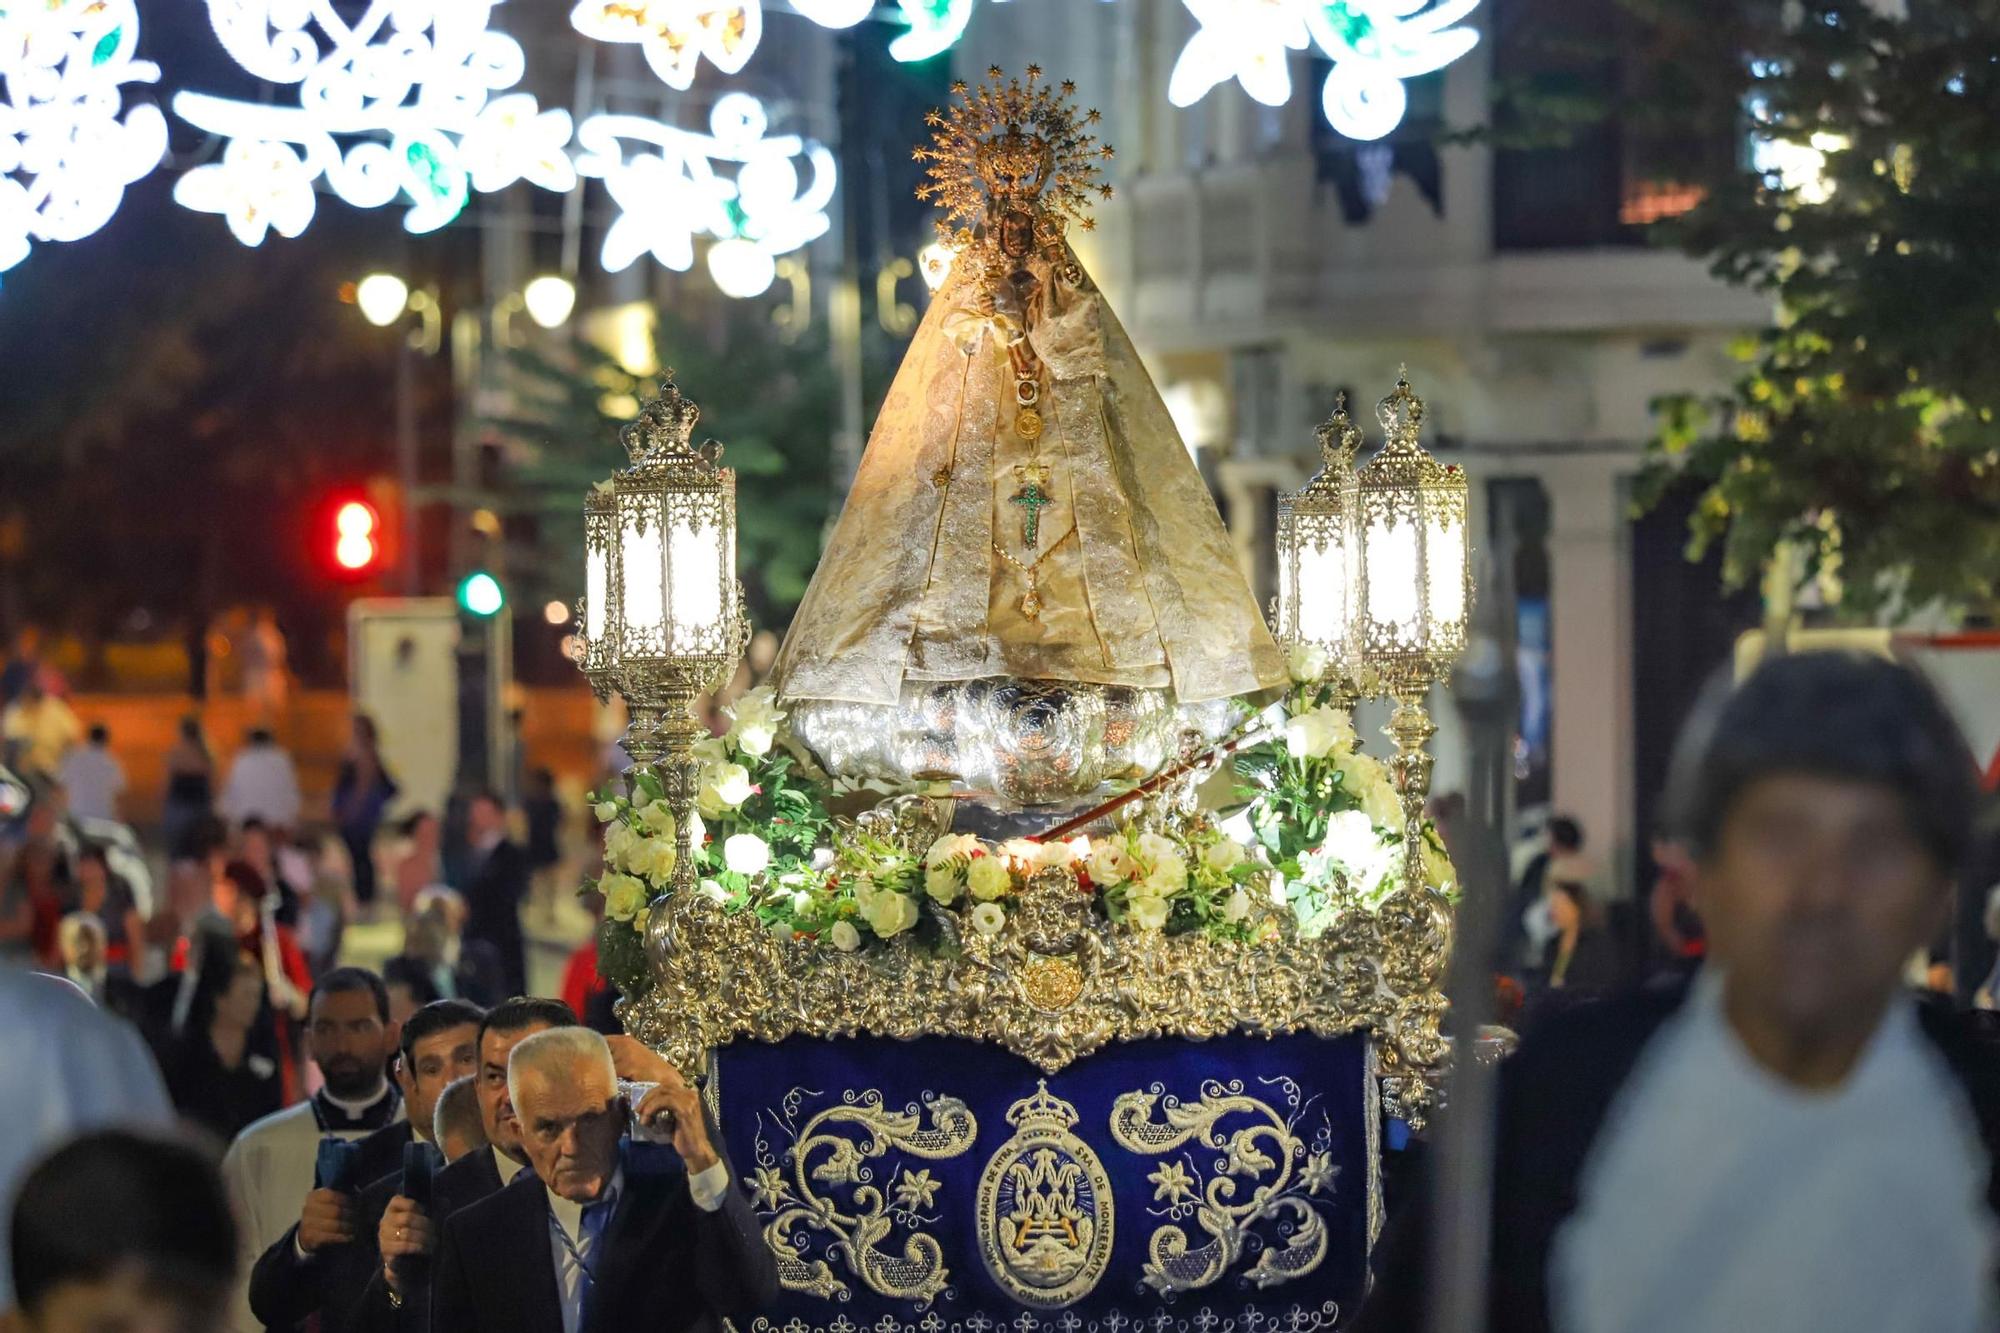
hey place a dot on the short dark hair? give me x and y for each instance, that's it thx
(1836, 715)
(259, 736)
(435, 1017)
(113, 1198)
(1566, 832)
(526, 1011)
(342, 979)
(99, 733)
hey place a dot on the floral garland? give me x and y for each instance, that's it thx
(1319, 829)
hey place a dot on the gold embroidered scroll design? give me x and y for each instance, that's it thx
(1268, 1175)
(825, 1182)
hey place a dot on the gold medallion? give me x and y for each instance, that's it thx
(1028, 424)
(1051, 984)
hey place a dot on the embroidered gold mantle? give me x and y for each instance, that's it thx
(1134, 579)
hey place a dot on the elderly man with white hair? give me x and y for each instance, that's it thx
(609, 1232)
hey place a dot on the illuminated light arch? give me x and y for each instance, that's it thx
(409, 99)
(68, 148)
(1374, 46)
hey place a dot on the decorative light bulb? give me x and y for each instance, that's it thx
(382, 297)
(549, 299)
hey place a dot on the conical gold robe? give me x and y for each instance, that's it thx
(928, 570)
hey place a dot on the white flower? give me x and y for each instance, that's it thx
(1317, 733)
(802, 902)
(1147, 913)
(712, 889)
(754, 721)
(619, 842)
(1023, 850)
(1364, 775)
(889, 913)
(943, 885)
(1224, 855)
(623, 896)
(1054, 855)
(658, 816)
(1279, 897)
(1156, 847)
(1438, 868)
(710, 751)
(989, 918)
(951, 847)
(844, 936)
(988, 878)
(1167, 877)
(1110, 862)
(606, 811)
(514, 139)
(723, 788)
(1237, 907)
(653, 858)
(746, 854)
(1306, 661)
(1364, 856)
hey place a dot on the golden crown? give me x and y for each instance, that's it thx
(1019, 143)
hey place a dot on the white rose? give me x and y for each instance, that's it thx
(654, 858)
(890, 914)
(1147, 913)
(658, 817)
(1167, 877)
(988, 878)
(1155, 847)
(989, 918)
(801, 902)
(952, 846)
(1237, 907)
(1306, 661)
(1024, 850)
(697, 831)
(731, 784)
(619, 843)
(1053, 855)
(1224, 856)
(712, 889)
(943, 885)
(623, 896)
(755, 719)
(710, 751)
(1109, 861)
(1318, 733)
(845, 937)
(606, 811)
(746, 854)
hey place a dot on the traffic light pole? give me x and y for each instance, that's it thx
(406, 464)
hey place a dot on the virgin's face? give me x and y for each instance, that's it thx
(1017, 234)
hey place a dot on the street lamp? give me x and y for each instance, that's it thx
(741, 268)
(382, 297)
(662, 612)
(934, 262)
(549, 299)
(1412, 591)
(1316, 550)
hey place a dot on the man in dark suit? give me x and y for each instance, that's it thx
(608, 1233)
(498, 882)
(1791, 1143)
(397, 1296)
(292, 1280)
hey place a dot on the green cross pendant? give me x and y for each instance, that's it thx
(1033, 497)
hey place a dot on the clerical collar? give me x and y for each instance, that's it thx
(371, 1112)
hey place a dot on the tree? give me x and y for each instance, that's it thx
(1860, 433)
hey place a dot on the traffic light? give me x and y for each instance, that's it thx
(357, 530)
(480, 594)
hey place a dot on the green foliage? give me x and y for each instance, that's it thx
(1860, 429)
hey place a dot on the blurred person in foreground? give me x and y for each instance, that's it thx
(121, 1233)
(434, 940)
(1789, 1143)
(635, 1234)
(65, 1067)
(322, 1266)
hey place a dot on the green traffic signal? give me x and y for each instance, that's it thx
(481, 594)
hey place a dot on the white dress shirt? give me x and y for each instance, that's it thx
(262, 784)
(573, 1250)
(1719, 1197)
(92, 778)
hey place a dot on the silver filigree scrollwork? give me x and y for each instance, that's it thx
(822, 1201)
(1268, 1176)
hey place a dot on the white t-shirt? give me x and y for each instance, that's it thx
(93, 779)
(1719, 1197)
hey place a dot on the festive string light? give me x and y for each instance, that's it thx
(674, 35)
(1374, 45)
(399, 101)
(67, 149)
(668, 196)
(934, 26)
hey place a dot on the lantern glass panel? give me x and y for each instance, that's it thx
(1444, 558)
(1393, 571)
(695, 582)
(1322, 591)
(643, 588)
(596, 587)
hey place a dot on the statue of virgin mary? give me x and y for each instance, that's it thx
(1029, 593)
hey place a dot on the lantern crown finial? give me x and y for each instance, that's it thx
(1339, 437)
(1402, 412)
(663, 427)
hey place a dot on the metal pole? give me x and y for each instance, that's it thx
(844, 302)
(1486, 692)
(406, 462)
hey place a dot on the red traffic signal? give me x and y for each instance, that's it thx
(357, 531)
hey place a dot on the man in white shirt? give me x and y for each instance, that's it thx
(608, 1233)
(1792, 1145)
(92, 777)
(262, 783)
